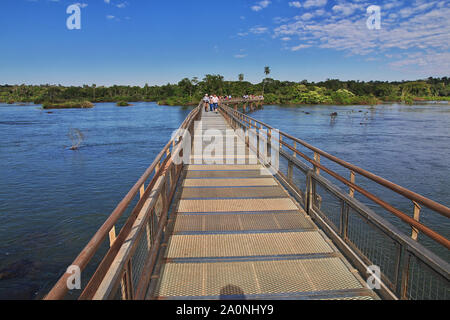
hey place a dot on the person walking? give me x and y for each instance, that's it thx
(206, 102)
(211, 103)
(216, 102)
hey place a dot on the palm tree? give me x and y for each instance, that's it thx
(266, 72)
(146, 90)
(241, 77)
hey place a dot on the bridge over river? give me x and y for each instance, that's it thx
(254, 213)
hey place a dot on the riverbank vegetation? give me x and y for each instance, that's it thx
(190, 91)
(68, 105)
(123, 104)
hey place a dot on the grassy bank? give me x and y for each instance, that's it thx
(67, 105)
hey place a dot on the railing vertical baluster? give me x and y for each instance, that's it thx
(406, 258)
(129, 281)
(352, 180)
(142, 191)
(290, 173)
(344, 220)
(317, 159)
(112, 236)
(415, 232)
(258, 141)
(123, 287)
(295, 147)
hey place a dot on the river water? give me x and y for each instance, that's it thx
(52, 199)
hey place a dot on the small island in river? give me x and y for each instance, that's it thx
(68, 105)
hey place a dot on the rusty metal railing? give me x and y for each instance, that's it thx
(409, 270)
(124, 271)
(248, 105)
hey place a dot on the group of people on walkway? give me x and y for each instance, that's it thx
(211, 101)
(252, 97)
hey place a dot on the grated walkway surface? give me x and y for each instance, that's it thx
(235, 233)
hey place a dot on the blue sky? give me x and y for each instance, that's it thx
(148, 41)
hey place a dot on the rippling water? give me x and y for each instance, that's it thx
(52, 200)
(408, 145)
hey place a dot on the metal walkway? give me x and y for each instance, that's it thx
(235, 233)
(196, 228)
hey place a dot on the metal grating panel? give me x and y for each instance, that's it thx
(378, 247)
(258, 277)
(242, 222)
(240, 245)
(229, 174)
(353, 298)
(424, 284)
(236, 205)
(261, 192)
(223, 167)
(229, 182)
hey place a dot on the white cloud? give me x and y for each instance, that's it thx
(261, 5)
(122, 5)
(412, 33)
(315, 3)
(258, 30)
(299, 47)
(295, 4)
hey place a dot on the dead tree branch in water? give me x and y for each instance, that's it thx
(77, 137)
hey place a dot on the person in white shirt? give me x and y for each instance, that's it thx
(206, 102)
(215, 100)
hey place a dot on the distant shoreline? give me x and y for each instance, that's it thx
(90, 105)
(188, 92)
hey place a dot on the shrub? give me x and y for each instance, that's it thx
(123, 104)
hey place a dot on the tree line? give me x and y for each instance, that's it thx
(190, 91)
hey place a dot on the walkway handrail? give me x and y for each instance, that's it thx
(60, 289)
(414, 223)
(408, 270)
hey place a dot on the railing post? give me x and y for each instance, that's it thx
(290, 172)
(317, 159)
(309, 192)
(403, 294)
(112, 236)
(141, 191)
(128, 282)
(415, 232)
(344, 220)
(352, 180)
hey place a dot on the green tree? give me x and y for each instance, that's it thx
(186, 86)
(266, 72)
(213, 84)
(241, 77)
